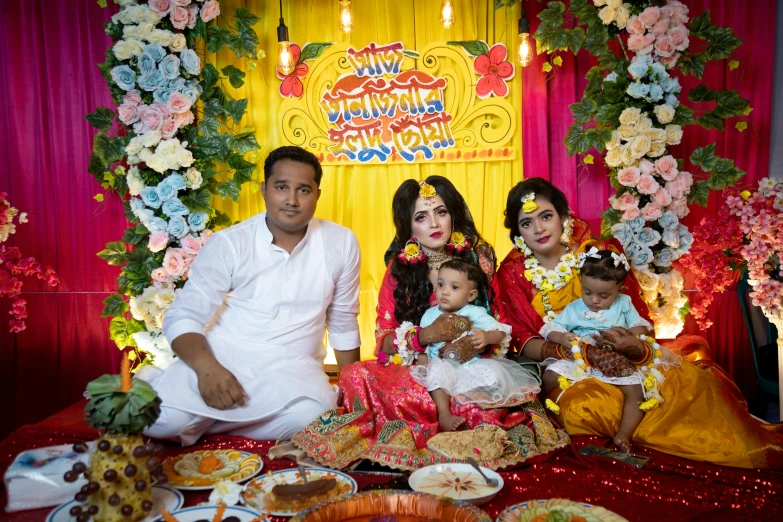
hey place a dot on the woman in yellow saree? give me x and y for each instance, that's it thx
(702, 417)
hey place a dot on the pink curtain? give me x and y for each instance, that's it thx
(546, 119)
(48, 56)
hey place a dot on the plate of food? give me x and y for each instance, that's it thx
(161, 498)
(457, 481)
(557, 509)
(200, 470)
(221, 513)
(284, 493)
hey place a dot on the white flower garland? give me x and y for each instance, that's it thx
(547, 280)
(403, 350)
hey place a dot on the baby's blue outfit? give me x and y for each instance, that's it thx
(478, 314)
(577, 318)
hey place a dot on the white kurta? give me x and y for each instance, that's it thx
(263, 312)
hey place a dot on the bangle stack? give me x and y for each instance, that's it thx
(406, 339)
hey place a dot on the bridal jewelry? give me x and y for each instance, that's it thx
(528, 205)
(412, 253)
(548, 280)
(427, 192)
(435, 259)
(568, 228)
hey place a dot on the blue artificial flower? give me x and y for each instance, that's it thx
(642, 258)
(190, 61)
(656, 92)
(669, 220)
(638, 68)
(146, 63)
(623, 233)
(177, 226)
(648, 237)
(191, 93)
(144, 215)
(166, 191)
(665, 257)
(177, 84)
(198, 220)
(635, 90)
(124, 77)
(176, 181)
(162, 96)
(611, 77)
(659, 69)
(174, 207)
(636, 224)
(169, 66)
(136, 204)
(671, 85)
(686, 238)
(671, 238)
(156, 51)
(151, 197)
(156, 224)
(152, 81)
(672, 100)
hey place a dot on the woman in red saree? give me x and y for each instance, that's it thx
(387, 417)
(702, 416)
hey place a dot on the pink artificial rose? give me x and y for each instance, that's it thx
(646, 166)
(680, 207)
(679, 37)
(150, 119)
(174, 262)
(666, 167)
(685, 179)
(162, 7)
(626, 201)
(164, 110)
(160, 275)
(205, 235)
(179, 103)
(670, 61)
(190, 244)
(188, 259)
(132, 98)
(631, 213)
(678, 12)
(661, 27)
(158, 241)
(628, 176)
(674, 189)
(169, 128)
(651, 212)
(127, 113)
(179, 17)
(635, 25)
(647, 184)
(662, 198)
(181, 3)
(641, 43)
(183, 118)
(210, 10)
(664, 46)
(192, 16)
(649, 16)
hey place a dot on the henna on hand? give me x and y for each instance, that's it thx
(445, 328)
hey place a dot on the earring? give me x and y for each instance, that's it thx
(412, 253)
(568, 228)
(458, 243)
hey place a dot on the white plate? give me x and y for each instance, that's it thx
(457, 481)
(162, 498)
(192, 514)
(514, 512)
(264, 485)
(245, 454)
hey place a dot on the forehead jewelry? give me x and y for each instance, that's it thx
(427, 192)
(528, 205)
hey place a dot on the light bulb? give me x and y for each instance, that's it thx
(525, 51)
(447, 14)
(346, 16)
(285, 61)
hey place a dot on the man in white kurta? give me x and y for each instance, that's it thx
(263, 312)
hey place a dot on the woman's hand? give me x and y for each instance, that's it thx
(460, 351)
(621, 340)
(611, 364)
(445, 328)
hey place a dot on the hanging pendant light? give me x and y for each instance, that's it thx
(285, 61)
(524, 50)
(447, 13)
(346, 16)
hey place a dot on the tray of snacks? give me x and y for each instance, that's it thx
(201, 470)
(284, 493)
(557, 509)
(221, 513)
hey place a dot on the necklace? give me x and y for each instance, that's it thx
(435, 259)
(548, 280)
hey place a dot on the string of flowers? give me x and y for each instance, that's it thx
(176, 143)
(632, 112)
(12, 265)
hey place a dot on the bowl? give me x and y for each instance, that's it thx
(456, 481)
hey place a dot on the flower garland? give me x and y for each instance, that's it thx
(170, 159)
(12, 265)
(548, 280)
(631, 108)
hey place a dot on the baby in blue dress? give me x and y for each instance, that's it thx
(491, 382)
(601, 307)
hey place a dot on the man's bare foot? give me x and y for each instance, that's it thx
(449, 422)
(623, 441)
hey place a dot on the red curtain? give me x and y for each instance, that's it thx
(48, 56)
(546, 119)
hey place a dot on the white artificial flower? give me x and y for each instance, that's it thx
(178, 43)
(160, 37)
(135, 183)
(193, 178)
(664, 113)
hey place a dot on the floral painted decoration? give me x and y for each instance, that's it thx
(494, 71)
(291, 86)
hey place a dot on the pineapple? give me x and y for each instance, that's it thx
(123, 466)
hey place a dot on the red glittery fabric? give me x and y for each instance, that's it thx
(668, 488)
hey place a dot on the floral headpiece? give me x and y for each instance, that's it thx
(620, 258)
(528, 205)
(412, 253)
(458, 243)
(427, 192)
(593, 252)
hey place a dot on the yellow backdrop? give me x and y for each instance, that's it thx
(359, 197)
